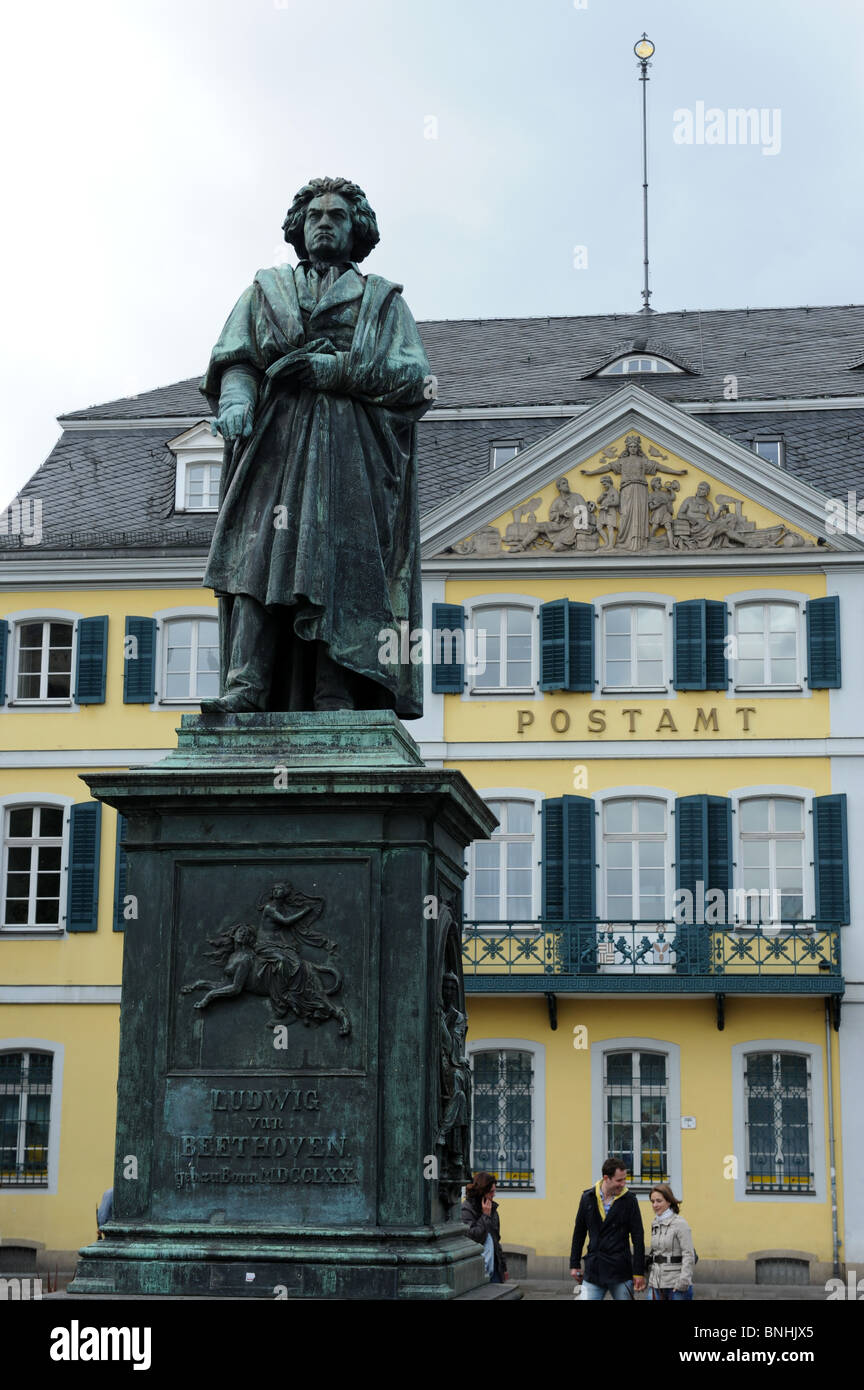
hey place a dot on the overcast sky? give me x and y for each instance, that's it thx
(152, 149)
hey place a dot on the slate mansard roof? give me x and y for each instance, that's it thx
(107, 488)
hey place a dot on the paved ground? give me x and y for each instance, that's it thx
(537, 1289)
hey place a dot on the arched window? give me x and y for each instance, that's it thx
(502, 869)
(634, 641)
(632, 365)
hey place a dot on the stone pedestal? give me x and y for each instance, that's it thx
(292, 1113)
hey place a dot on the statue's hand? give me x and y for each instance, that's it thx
(234, 423)
(320, 371)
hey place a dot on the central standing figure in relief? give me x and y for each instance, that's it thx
(316, 384)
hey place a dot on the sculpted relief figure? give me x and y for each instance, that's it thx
(316, 383)
(635, 468)
(608, 511)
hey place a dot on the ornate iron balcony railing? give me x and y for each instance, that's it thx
(651, 948)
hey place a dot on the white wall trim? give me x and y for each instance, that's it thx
(739, 1118)
(59, 994)
(58, 1050)
(538, 1109)
(673, 1107)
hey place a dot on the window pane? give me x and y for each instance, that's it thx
(751, 617)
(651, 854)
(618, 647)
(520, 816)
(61, 634)
(751, 672)
(619, 817)
(619, 1068)
(21, 822)
(784, 672)
(617, 620)
(649, 620)
(486, 854)
(788, 853)
(754, 814)
(650, 673)
(652, 1066)
(519, 854)
(619, 854)
(787, 815)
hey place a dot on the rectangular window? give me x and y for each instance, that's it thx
(767, 641)
(636, 1090)
(633, 647)
(191, 665)
(772, 860)
(504, 649)
(202, 487)
(44, 661)
(634, 844)
(503, 1118)
(770, 449)
(25, 1111)
(32, 856)
(779, 1142)
(502, 875)
(503, 451)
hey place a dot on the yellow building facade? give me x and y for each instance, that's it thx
(656, 720)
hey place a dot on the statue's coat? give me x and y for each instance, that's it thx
(344, 554)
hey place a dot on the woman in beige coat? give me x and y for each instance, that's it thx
(671, 1255)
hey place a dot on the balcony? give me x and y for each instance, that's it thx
(651, 957)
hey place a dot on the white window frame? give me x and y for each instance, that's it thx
(164, 617)
(781, 449)
(15, 622)
(20, 800)
(538, 1108)
(805, 796)
(625, 366)
(496, 444)
(193, 446)
(789, 598)
(183, 473)
(481, 602)
(814, 1053)
(672, 1052)
(535, 800)
(58, 1051)
(664, 691)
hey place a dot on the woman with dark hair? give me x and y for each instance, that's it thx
(480, 1214)
(671, 1257)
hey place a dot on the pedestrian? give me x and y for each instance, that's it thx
(480, 1214)
(671, 1258)
(610, 1217)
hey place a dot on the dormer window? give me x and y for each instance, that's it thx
(632, 366)
(770, 449)
(199, 468)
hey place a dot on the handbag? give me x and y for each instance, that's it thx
(489, 1256)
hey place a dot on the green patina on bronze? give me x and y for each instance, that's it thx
(316, 382)
(291, 874)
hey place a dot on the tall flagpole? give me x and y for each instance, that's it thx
(644, 50)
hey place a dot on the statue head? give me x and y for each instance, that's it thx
(334, 216)
(563, 485)
(702, 489)
(656, 483)
(605, 483)
(633, 444)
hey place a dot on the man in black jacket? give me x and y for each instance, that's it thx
(609, 1215)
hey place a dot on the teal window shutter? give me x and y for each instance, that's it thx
(91, 662)
(566, 645)
(823, 643)
(448, 648)
(4, 647)
(690, 647)
(84, 844)
(569, 890)
(139, 662)
(581, 643)
(831, 858)
(554, 645)
(120, 875)
(703, 855)
(716, 673)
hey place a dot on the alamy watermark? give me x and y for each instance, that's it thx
(23, 518)
(737, 126)
(417, 646)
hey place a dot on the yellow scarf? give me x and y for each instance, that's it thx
(599, 1195)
